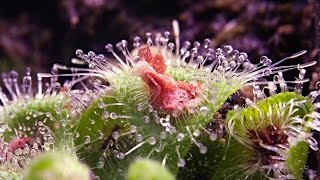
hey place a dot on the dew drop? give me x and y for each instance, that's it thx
(109, 47)
(140, 107)
(163, 135)
(155, 114)
(136, 42)
(35, 146)
(213, 136)
(101, 135)
(204, 110)
(2, 129)
(268, 62)
(40, 123)
(139, 137)
(181, 163)
(152, 140)
(172, 129)
(263, 59)
(86, 139)
(100, 165)
(171, 46)
(267, 72)
(115, 153)
(12, 115)
(79, 52)
(113, 115)
(50, 140)
(77, 134)
(101, 105)
(105, 114)
(63, 123)
(150, 108)
(23, 105)
(9, 155)
(133, 129)
(120, 171)
(120, 155)
(311, 174)
(192, 109)
(180, 137)
(18, 152)
(175, 113)
(164, 122)
(115, 135)
(196, 133)
(233, 64)
(203, 149)
(146, 119)
(228, 49)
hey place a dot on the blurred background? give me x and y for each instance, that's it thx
(38, 33)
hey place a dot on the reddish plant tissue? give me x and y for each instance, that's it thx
(166, 93)
(18, 143)
(156, 61)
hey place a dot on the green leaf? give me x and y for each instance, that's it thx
(51, 111)
(147, 169)
(297, 158)
(275, 111)
(56, 165)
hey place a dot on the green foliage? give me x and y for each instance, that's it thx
(50, 111)
(148, 169)
(277, 111)
(56, 165)
(297, 157)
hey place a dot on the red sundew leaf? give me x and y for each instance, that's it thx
(156, 61)
(166, 93)
(145, 53)
(192, 89)
(158, 64)
(18, 143)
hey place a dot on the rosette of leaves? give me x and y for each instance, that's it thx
(31, 123)
(268, 139)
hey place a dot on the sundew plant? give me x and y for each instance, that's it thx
(159, 109)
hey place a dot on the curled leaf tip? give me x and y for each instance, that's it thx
(166, 93)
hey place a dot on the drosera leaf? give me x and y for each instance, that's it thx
(148, 169)
(51, 111)
(297, 158)
(56, 165)
(44, 121)
(4, 174)
(104, 133)
(200, 166)
(260, 130)
(94, 132)
(232, 165)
